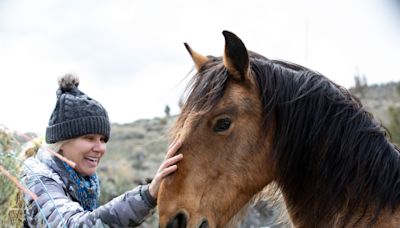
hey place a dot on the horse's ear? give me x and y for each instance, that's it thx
(236, 57)
(198, 59)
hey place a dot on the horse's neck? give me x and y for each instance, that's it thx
(387, 218)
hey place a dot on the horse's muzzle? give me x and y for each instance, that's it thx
(180, 221)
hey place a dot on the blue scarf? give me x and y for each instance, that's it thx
(85, 189)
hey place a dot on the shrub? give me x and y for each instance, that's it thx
(11, 199)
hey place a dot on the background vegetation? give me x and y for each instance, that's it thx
(394, 117)
(11, 210)
(384, 102)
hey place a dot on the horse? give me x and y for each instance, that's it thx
(248, 122)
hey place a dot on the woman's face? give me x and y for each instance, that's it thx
(86, 151)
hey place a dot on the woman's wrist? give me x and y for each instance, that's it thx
(152, 191)
(147, 196)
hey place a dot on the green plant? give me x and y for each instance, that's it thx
(394, 124)
(394, 120)
(11, 201)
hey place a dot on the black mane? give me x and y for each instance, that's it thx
(331, 154)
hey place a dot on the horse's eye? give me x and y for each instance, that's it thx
(222, 125)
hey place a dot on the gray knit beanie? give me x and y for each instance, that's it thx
(75, 113)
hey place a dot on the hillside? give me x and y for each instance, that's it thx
(136, 149)
(378, 98)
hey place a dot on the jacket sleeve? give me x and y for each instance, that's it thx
(53, 207)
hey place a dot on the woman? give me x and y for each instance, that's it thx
(68, 193)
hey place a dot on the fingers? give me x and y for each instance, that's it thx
(173, 143)
(155, 183)
(167, 167)
(169, 170)
(171, 161)
(173, 148)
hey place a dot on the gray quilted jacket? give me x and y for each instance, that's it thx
(46, 176)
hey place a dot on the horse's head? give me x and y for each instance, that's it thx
(226, 152)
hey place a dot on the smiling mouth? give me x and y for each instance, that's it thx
(92, 159)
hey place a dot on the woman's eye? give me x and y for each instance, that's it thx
(88, 137)
(222, 125)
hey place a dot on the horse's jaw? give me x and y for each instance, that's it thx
(269, 198)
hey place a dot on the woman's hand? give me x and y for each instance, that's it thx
(167, 167)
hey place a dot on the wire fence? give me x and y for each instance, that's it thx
(12, 188)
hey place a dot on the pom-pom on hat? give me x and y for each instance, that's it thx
(75, 113)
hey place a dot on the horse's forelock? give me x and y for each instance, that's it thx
(206, 87)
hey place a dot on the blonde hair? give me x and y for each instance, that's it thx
(32, 147)
(56, 147)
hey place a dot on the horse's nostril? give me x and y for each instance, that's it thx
(204, 224)
(179, 221)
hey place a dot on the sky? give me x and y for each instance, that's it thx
(129, 54)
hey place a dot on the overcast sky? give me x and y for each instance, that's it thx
(130, 56)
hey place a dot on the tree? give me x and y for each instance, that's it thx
(394, 124)
(360, 84)
(398, 89)
(167, 111)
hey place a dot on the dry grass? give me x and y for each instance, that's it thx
(11, 198)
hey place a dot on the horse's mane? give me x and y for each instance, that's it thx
(331, 154)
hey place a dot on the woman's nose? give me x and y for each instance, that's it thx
(99, 146)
